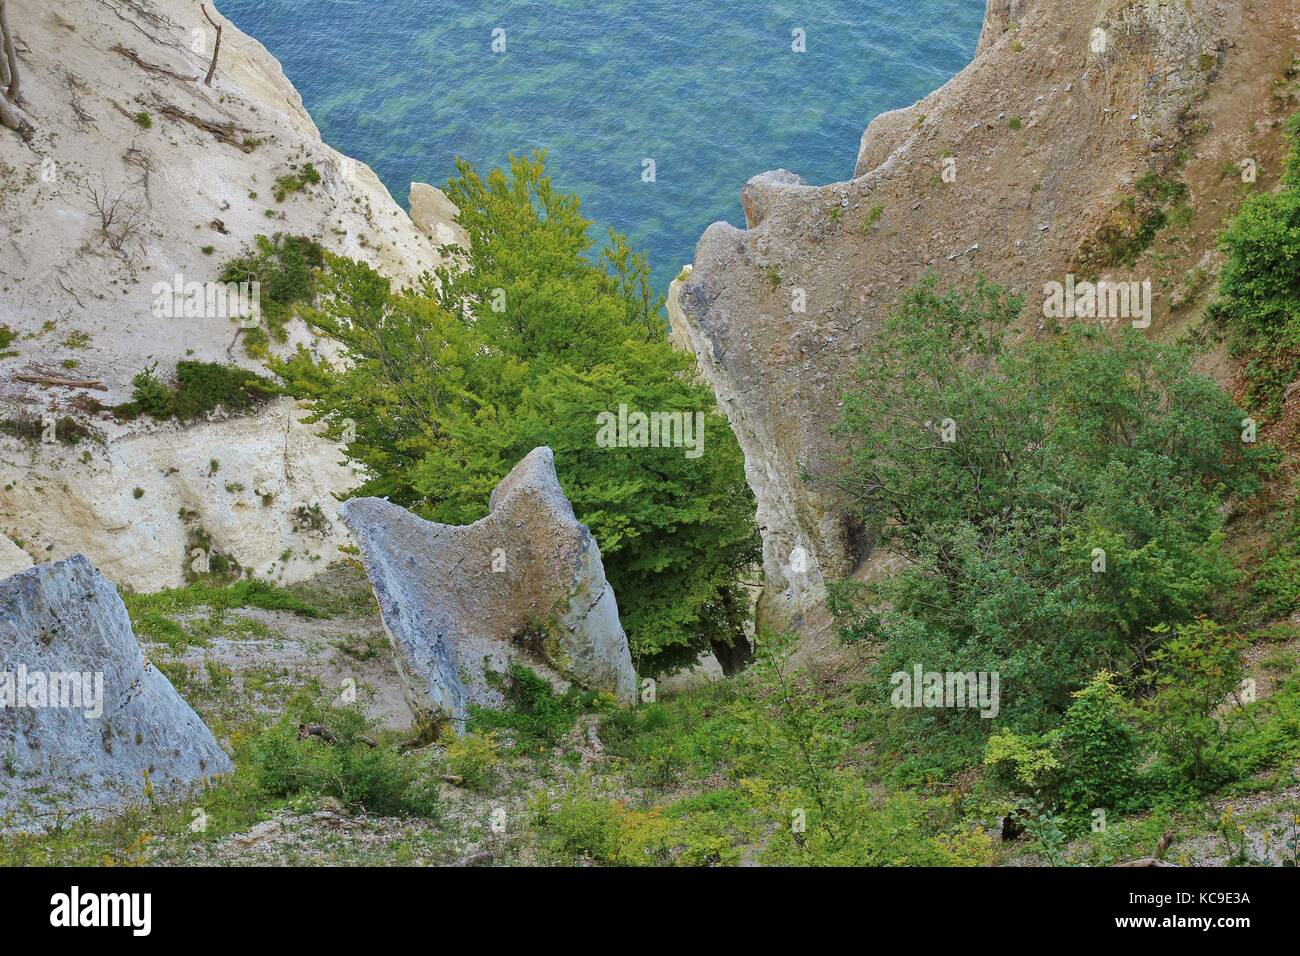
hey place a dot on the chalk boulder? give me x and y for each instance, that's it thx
(525, 584)
(86, 723)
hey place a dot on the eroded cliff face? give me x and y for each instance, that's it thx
(1016, 169)
(121, 113)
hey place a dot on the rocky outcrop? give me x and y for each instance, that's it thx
(1011, 169)
(435, 215)
(122, 116)
(12, 558)
(86, 723)
(525, 583)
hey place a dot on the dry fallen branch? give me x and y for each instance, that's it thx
(227, 133)
(150, 67)
(327, 735)
(55, 382)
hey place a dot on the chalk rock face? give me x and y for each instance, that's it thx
(12, 558)
(1015, 169)
(202, 199)
(524, 584)
(435, 215)
(83, 716)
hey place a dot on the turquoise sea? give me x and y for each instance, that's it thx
(712, 92)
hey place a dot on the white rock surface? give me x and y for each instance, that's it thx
(66, 619)
(12, 558)
(84, 311)
(524, 583)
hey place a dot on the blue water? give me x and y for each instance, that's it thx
(711, 91)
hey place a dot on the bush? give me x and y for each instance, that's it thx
(1260, 283)
(1100, 753)
(535, 713)
(286, 268)
(1199, 670)
(474, 758)
(1076, 507)
(376, 779)
(200, 388)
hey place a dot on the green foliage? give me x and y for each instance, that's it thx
(375, 778)
(1137, 219)
(1274, 590)
(285, 267)
(536, 714)
(1100, 752)
(447, 389)
(1198, 670)
(200, 388)
(1090, 761)
(1260, 283)
(1060, 447)
(158, 616)
(474, 758)
(295, 181)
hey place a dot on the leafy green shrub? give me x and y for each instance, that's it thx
(285, 267)
(1198, 670)
(1260, 283)
(200, 388)
(375, 778)
(1076, 507)
(1274, 590)
(474, 758)
(293, 182)
(1100, 751)
(858, 827)
(581, 825)
(535, 714)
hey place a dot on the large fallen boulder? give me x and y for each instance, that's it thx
(86, 723)
(461, 603)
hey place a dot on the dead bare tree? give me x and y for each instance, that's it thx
(11, 112)
(216, 49)
(121, 216)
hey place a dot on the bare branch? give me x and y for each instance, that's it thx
(121, 216)
(216, 49)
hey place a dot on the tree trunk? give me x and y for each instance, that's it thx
(12, 92)
(216, 49)
(11, 116)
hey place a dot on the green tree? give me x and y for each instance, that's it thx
(525, 344)
(1199, 669)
